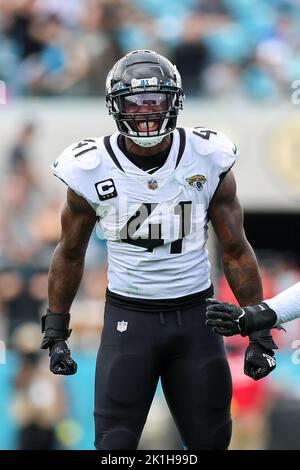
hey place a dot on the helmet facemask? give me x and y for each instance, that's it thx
(145, 117)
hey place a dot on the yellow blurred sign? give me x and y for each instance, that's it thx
(284, 157)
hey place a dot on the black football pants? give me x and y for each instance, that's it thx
(191, 362)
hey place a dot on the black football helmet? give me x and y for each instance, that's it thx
(144, 95)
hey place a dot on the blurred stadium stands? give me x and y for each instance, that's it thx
(221, 47)
(54, 57)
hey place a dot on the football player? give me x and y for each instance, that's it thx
(151, 189)
(229, 319)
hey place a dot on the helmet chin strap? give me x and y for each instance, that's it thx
(147, 141)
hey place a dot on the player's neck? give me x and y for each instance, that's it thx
(147, 151)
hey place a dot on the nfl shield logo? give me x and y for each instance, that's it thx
(152, 184)
(122, 326)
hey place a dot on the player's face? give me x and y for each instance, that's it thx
(147, 109)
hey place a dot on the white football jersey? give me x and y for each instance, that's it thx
(155, 225)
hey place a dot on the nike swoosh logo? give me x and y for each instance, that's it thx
(151, 169)
(234, 149)
(55, 164)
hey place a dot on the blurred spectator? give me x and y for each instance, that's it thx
(37, 417)
(21, 153)
(19, 205)
(283, 424)
(22, 295)
(191, 56)
(19, 20)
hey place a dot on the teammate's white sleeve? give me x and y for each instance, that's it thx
(286, 304)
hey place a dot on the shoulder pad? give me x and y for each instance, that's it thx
(207, 141)
(84, 154)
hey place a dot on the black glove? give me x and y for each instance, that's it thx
(56, 329)
(60, 359)
(259, 355)
(229, 319)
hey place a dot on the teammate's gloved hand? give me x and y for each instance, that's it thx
(56, 329)
(259, 355)
(259, 361)
(61, 361)
(229, 319)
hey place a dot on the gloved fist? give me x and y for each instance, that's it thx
(61, 361)
(229, 319)
(259, 361)
(55, 327)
